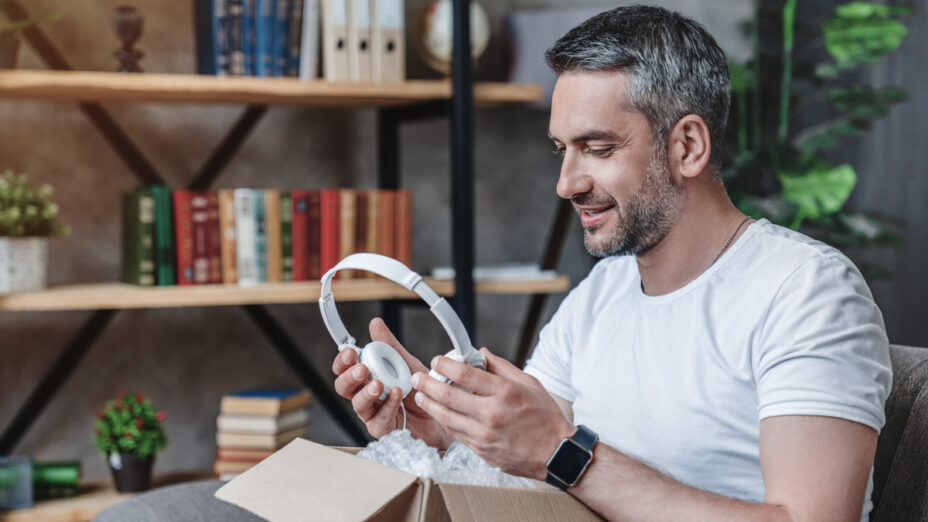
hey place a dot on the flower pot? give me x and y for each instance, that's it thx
(130, 473)
(23, 263)
(9, 47)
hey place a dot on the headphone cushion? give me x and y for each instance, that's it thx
(387, 366)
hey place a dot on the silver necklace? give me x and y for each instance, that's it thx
(732, 238)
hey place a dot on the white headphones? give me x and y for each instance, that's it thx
(385, 363)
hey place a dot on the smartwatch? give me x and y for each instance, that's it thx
(571, 458)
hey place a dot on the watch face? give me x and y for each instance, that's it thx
(569, 461)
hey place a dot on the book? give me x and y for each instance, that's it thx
(265, 16)
(61, 473)
(386, 223)
(183, 237)
(199, 217)
(260, 240)
(360, 223)
(245, 259)
(264, 401)
(248, 34)
(347, 211)
(211, 36)
(53, 491)
(214, 238)
(372, 231)
(258, 440)
(309, 41)
(388, 41)
(273, 234)
(230, 466)
(329, 217)
(236, 423)
(138, 231)
(403, 240)
(227, 230)
(164, 234)
(281, 39)
(295, 37)
(299, 220)
(236, 38)
(359, 40)
(335, 40)
(243, 455)
(314, 237)
(286, 236)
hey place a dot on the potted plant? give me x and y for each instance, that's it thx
(128, 433)
(27, 219)
(9, 36)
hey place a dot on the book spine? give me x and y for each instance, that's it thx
(281, 37)
(347, 208)
(53, 491)
(221, 36)
(299, 239)
(164, 236)
(373, 213)
(273, 235)
(386, 223)
(199, 216)
(183, 237)
(329, 221)
(260, 227)
(246, 264)
(295, 39)
(214, 238)
(56, 473)
(360, 225)
(248, 36)
(286, 236)
(309, 41)
(403, 242)
(204, 36)
(146, 240)
(227, 229)
(314, 237)
(236, 39)
(264, 37)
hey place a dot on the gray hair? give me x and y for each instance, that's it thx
(674, 66)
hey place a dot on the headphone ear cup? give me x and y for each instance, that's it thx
(387, 366)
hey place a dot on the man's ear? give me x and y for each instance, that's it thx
(689, 146)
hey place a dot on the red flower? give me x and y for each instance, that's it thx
(139, 398)
(161, 416)
(118, 404)
(139, 423)
(127, 434)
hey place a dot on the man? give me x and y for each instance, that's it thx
(732, 369)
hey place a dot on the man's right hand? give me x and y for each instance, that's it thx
(382, 417)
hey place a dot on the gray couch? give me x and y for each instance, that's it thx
(900, 473)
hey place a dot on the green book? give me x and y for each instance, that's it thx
(286, 236)
(164, 234)
(138, 230)
(53, 491)
(59, 473)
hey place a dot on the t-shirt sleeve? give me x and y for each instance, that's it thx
(823, 349)
(550, 361)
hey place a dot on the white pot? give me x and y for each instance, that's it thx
(23, 263)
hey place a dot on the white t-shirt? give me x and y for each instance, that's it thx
(781, 324)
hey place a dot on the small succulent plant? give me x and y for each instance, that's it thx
(26, 211)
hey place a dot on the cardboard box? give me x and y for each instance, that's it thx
(309, 481)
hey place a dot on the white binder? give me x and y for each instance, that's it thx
(359, 40)
(388, 42)
(335, 40)
(309, 41)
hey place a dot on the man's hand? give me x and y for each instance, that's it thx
(382, 417)
(509, 420)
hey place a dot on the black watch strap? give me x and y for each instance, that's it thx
(571, 458)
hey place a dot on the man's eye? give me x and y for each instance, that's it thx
(558, 151)
(600, 152)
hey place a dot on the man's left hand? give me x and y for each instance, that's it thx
(510, 420)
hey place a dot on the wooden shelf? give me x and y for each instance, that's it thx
(118, 296)
(202, 89)
(92, 498)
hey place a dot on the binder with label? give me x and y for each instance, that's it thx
(335, 40)
(388, 42)
(359, 40)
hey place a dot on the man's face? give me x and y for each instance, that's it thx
(618, 182)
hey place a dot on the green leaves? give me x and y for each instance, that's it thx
(129, 424)
(861, 105)
(861, 32)
(819, 191)
(25, 211)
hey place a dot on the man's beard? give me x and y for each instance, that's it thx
(647, 216)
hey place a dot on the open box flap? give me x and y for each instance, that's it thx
(479, 503)
(308, 480)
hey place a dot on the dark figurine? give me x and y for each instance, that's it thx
(128, 24)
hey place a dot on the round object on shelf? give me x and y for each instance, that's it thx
(434, 37)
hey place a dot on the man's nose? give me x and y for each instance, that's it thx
(574, 179)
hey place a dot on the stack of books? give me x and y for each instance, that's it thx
(51, 480)
(251, 236)
(356, 40)
(253, 424)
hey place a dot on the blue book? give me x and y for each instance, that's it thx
(210, 24)
(248, 35)
(281, 43)
(236, 38)
(260, 217)
(296, 39)
(265, 16)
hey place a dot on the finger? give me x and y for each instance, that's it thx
(450, 419)
(381, 332)
(448, 396)
(344, 360)
(384, 421)
(474, 379)
(365, 401)
(499, 366)
(348, 383)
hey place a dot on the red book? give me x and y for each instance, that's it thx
(386, 223)
(214, 238)
(183, 236)
(199, 215)
(314, 237)
(299, 237)
(328, 225)
(360, 222)
(403, 240)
